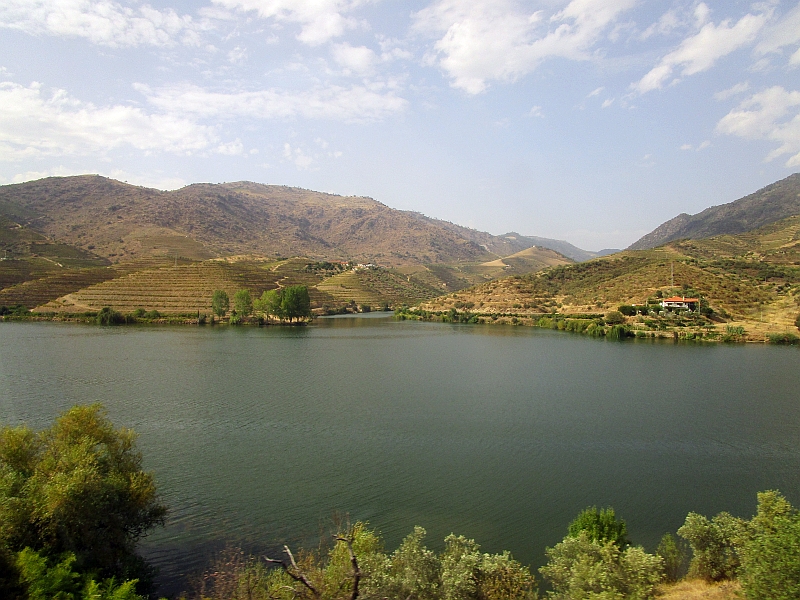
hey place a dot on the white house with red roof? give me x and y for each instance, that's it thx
(680, 302)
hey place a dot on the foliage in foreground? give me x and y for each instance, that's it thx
(357, 566)
(763, 553)
(74, 500)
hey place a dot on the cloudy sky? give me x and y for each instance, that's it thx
(587, 120)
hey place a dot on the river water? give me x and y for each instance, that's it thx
(262, 436)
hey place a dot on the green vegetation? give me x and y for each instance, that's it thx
(243, 303)
(220, 303)
(74, 501)
(600, 526)
(356, 565)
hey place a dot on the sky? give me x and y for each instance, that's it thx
(592, 121)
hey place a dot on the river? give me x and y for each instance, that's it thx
(262, 436)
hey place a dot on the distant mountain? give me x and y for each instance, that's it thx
(123, 222)
(560, 246)
(767, 205)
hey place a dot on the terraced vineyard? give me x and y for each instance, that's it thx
(176, 289)
(376, 286)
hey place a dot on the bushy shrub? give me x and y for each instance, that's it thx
(579, 567)
(600, 526)
(627, 310)
(460, 572)
(614, 317)
(783, 338)
(108, 316)
(716, 545)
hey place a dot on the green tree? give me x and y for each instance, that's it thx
(295, 302)
(78, 487)
(220, 303)
(600, 526)
(270, 303)
(243, 303)
(797, 322)
(614, 317)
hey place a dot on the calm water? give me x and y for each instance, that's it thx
(259, 436)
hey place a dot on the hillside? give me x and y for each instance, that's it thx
(122, 222)
(772, 203)
(752, 278)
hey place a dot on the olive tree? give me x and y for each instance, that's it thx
(77, 487)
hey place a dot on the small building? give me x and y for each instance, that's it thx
(680, 303)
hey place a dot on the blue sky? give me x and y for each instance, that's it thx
(587, 120)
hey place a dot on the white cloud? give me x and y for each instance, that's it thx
(536, 111)
(595, 92)
(296, 155)
(100, 21)
(687, 147)
(235, 148)
(735, 90)
(321, 20)
(34, 124)
(786, 32)
(353, 104)
(700, 51)
(237, 55)
(703, 145)
(355, 59)
(774, 115)
(484, 40)
(607, 102)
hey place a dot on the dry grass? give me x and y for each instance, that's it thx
(697, 589)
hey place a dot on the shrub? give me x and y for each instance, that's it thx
(715, 543)
(797, 322)
(771, 555)
(615, 317)
(76, 489)
(108, 316)
(783, 338)
(674, 555)
(600, 526)
(627, 310)
(581, 568)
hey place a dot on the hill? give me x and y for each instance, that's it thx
(122, 222)
(560, 246)
(772, 203)
(752, 278)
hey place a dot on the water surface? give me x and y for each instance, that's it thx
(260, 436)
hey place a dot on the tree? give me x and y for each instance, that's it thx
(295, 302)
(270, 303)
(242, 303)
(220, 304)
(78, 488)
(615, 317)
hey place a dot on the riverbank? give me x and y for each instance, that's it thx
(616, 326)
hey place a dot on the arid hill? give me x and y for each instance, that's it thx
(772, 203)
(122, 222)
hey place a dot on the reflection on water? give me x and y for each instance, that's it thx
(258, 436)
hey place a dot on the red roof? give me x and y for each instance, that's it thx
(680, 299)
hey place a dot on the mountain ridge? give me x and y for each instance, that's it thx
(767, 205)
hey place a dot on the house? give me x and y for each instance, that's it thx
(680, 302)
